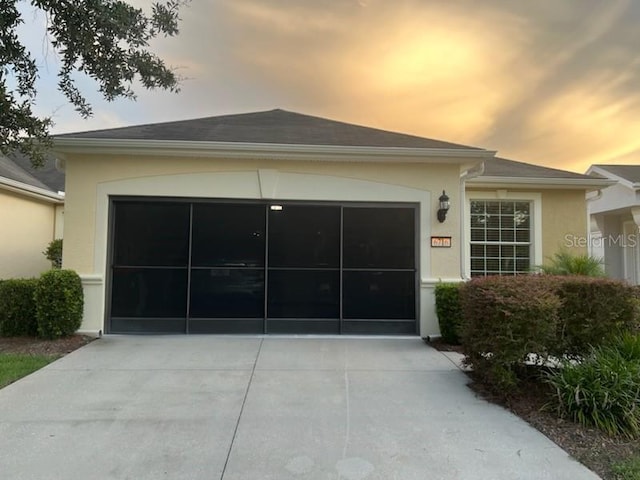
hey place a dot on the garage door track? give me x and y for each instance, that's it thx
(243, 408)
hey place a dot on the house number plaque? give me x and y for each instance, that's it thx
(441, 242)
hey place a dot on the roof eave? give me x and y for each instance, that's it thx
(262, 150)
(31, 191)
(616, 178)
(487, 181)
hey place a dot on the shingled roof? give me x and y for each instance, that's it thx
(502, 167)
(631, 173)
(17, 167)
(281, 127)
(273, 126)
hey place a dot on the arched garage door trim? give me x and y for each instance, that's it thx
(261, 184)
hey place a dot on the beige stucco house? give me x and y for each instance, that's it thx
(31, 215)
(277, 222)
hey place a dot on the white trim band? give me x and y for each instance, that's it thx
(30, 190)
(262, 150)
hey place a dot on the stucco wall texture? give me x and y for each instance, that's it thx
(91, 179)
(83, 178)
(27, 228)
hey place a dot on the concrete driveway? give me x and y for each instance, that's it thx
(216, 407)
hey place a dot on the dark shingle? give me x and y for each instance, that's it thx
(8, 169)
(17, 166)
(501, 167)
(273, 126)
(630, 173)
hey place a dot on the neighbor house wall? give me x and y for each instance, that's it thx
(27, 229)
(614, 215)
(613, 245)
(615, 197)
(90, 181)
(58, 231)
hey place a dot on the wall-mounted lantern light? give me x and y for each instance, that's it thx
(444, 207)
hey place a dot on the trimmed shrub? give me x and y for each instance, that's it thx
(593, 312)
(603, 391)
(18, 308)
(449, 311)
(54, 253)
(59, 303)
(505, 320)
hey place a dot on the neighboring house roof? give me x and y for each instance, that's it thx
(629, 174)
(9, 169)
(273, 126)
(48, 174)
(622, 198)
(503, 171)
(16, 174)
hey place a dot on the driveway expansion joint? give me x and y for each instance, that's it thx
(244, 401)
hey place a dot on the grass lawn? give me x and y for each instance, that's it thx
(628, 470)
(14, 366)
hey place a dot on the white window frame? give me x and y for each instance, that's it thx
(535, 199)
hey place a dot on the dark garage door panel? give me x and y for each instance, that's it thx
(219, 267)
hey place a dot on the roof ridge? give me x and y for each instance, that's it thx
(149, 124)
(270, 126)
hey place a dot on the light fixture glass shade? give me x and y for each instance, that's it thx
(444, 206)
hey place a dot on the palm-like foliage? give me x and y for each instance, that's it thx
(566, 263)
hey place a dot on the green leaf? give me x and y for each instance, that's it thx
(106, 40)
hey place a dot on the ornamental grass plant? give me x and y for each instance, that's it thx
(603, 389)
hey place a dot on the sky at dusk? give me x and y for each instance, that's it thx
(550, 82)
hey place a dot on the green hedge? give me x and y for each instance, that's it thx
(593, 312)
(18, 308)
(506, 319)
(449, 311)
(59, 303)
(54, 253)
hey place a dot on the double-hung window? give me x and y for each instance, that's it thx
(501, 237)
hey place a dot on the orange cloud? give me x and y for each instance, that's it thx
(429, 70)
(590, 122)
(553, 83)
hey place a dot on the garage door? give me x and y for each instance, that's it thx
(261, 267)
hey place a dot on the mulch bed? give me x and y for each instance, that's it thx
(593, 448)
(443, 346)
(37, 346)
